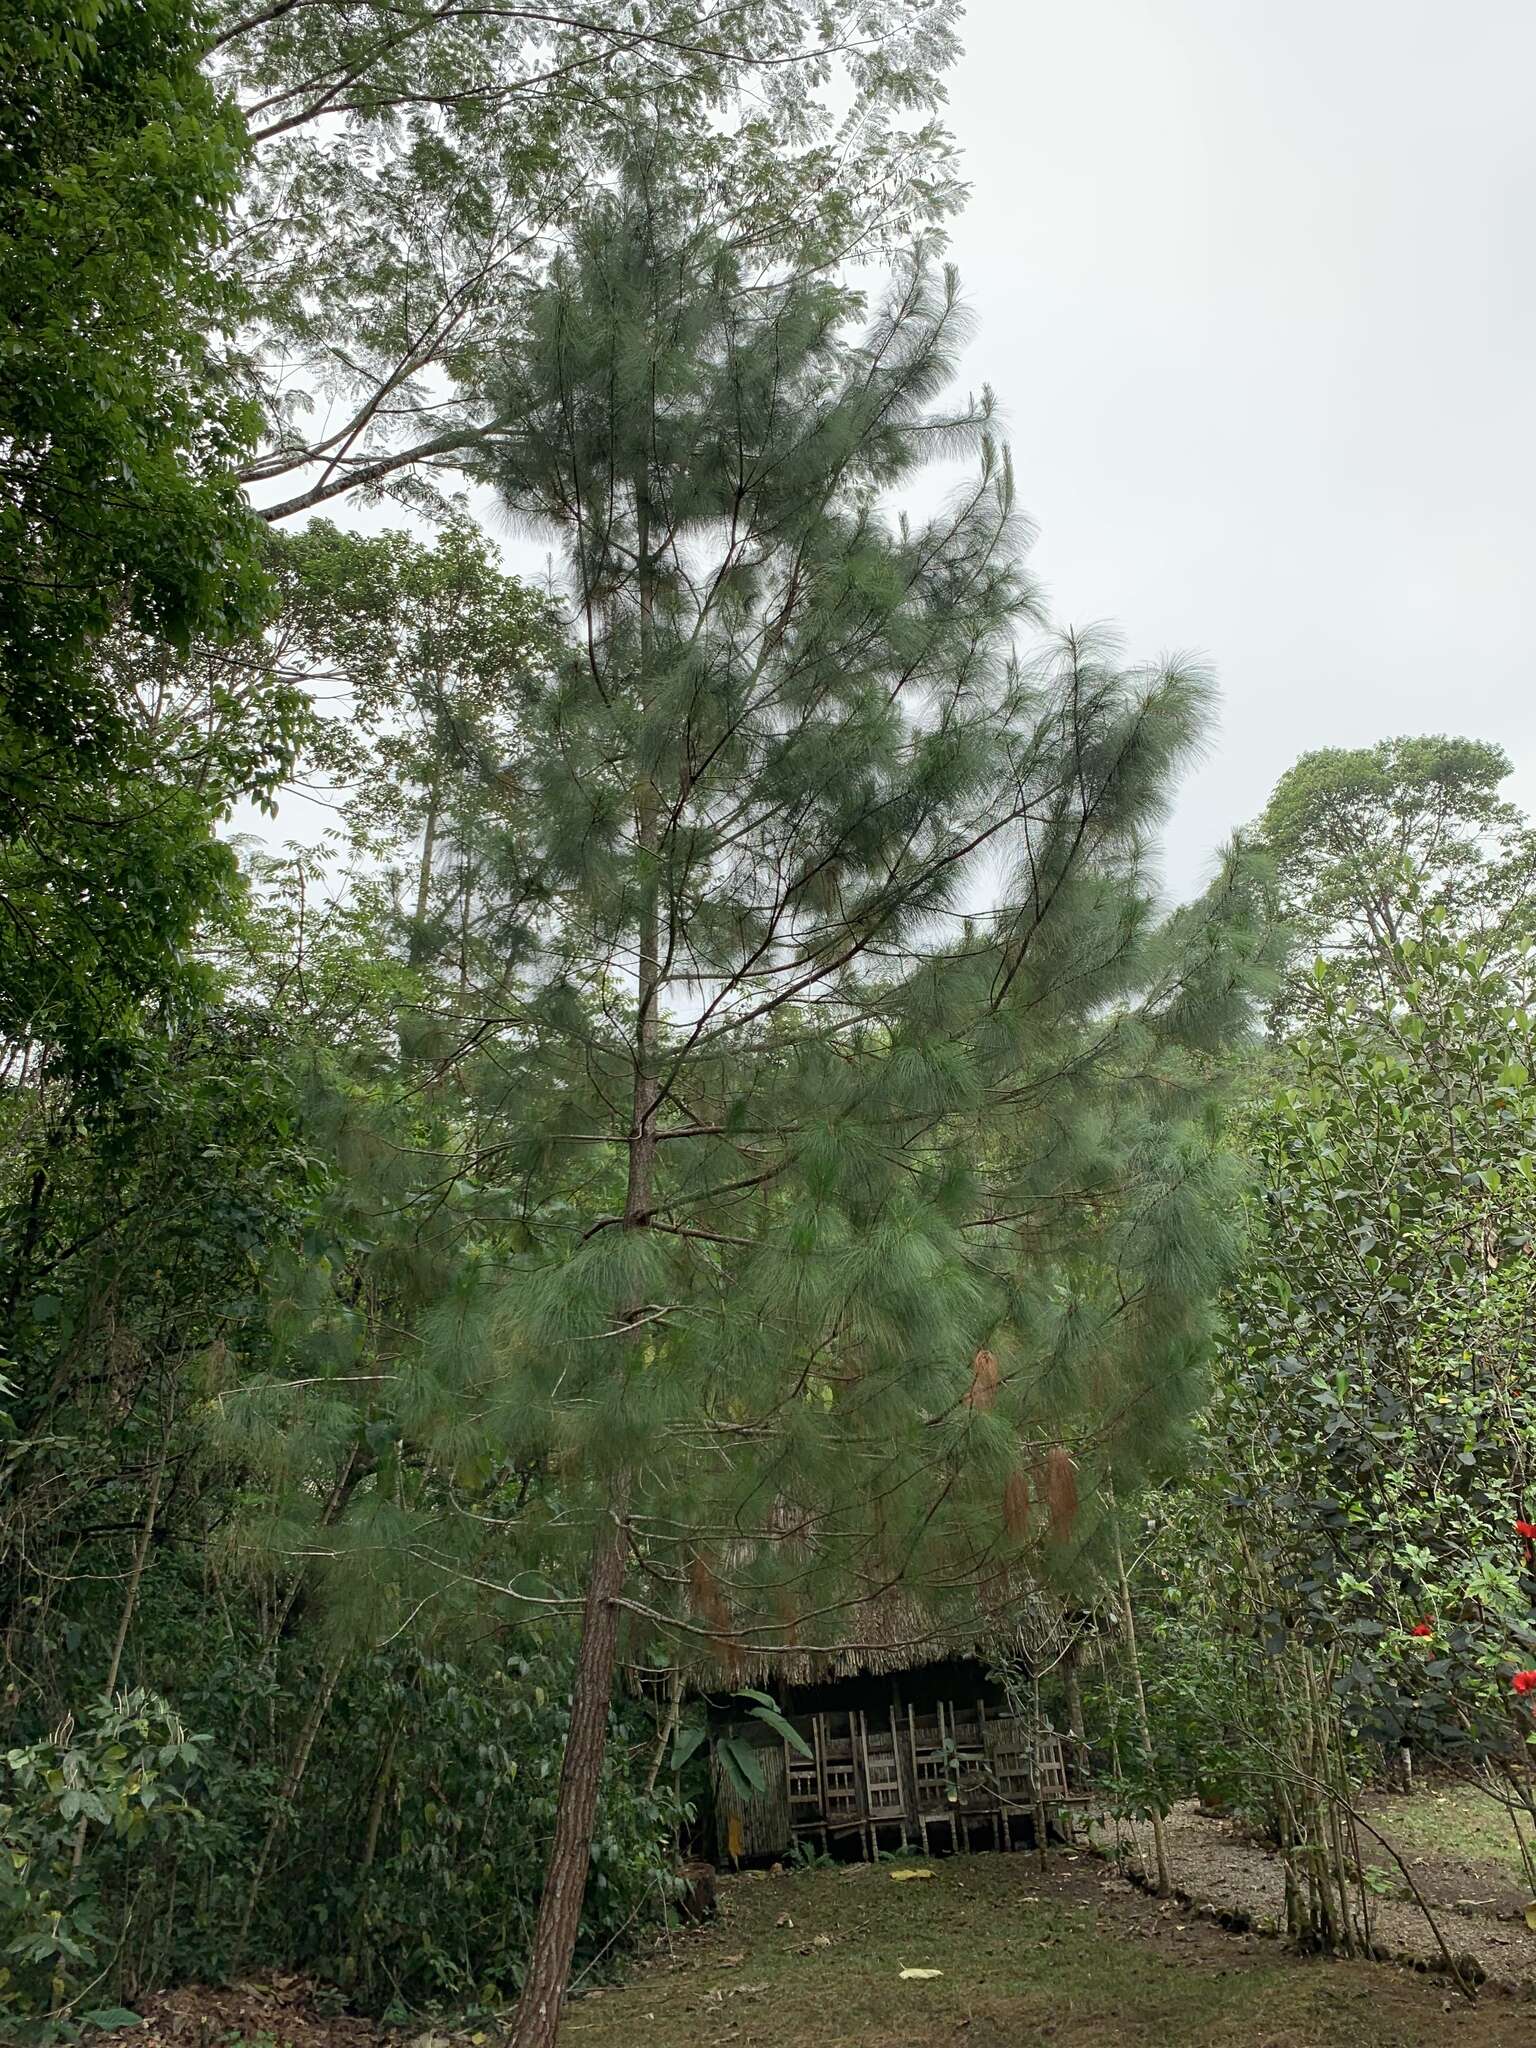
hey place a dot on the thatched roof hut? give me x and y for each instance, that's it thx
(903, 1722)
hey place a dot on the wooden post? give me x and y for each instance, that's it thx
(917, 1790)
(947, 1743)
(989, 1776)
(903, 1781)
(860, 1749)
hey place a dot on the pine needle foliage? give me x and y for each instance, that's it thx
(851, 1041)
(869, 1122)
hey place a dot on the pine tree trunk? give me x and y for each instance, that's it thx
(565, 1877)
(554, 1934)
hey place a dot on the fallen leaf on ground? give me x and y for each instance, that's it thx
(922, 1973)
(904, 1875)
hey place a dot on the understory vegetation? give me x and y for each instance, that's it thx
(1342, 1590)
(718, 1128)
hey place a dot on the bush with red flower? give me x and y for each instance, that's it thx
(1375, 1407)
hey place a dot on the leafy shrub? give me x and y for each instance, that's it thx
(122, 1771)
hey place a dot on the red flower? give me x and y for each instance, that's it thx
(1524, 1681)
(1527, 1530)
(1426, 1627)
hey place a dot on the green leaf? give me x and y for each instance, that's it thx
(686, 1743)
(741, 1767)
(772, 1718)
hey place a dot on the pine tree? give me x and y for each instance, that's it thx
(849, 1046)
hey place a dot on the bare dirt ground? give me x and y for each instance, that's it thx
(1477, 1903)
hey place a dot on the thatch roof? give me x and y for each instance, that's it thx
(889, 1629)
(894, 1632)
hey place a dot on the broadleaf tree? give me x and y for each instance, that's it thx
(1347, 1576)
(419, 656)
(1366, 841)
(124, 538)
(118, 441)
(850, 1043)
(413, 168)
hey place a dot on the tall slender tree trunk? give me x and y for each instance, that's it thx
(667, 1730)
(565, 1878)
(289, 1609)
(380, 1796)
(136, 1570)
(417, 952)
(1143, 1718)
(288, 1791)
(125, 1619)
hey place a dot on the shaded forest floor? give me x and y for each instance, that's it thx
(814, 1960)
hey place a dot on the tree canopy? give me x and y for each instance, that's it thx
(416, 168)
(787, 733)
(721, 1133)
(124, 538)
(1356, 832)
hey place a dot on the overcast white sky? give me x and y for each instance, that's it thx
(1256, 284)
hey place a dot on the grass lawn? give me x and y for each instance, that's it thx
(814, 1960)
(1453, 1820)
